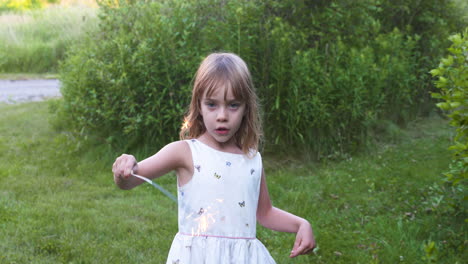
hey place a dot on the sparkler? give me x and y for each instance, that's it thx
(168, 194)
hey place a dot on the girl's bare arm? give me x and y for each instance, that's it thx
(174, 156)
(279, 220)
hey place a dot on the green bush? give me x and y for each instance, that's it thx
(452, 80)
(133, 78)
(334, 98)
(326, 71)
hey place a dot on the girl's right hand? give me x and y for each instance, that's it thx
(123, 166)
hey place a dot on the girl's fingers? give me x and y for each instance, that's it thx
(297, 243)
(305, 241)
(131, 162)
(302, 247)
(123, 165)
(126, 169)
(117, 168)
(296, 248)
(302, 250)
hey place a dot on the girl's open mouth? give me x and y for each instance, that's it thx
(222, 130)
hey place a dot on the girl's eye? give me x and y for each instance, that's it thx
(234, 105)
(210, 104)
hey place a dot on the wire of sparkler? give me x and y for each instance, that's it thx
(168, 194)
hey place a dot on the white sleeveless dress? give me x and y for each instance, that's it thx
(217, 210)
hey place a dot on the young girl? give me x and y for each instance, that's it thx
(222, 190)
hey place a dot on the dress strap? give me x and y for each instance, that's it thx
(194, 149)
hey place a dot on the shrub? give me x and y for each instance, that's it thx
(335, 97)
(325, 71)
(133, 77)
(452, 80)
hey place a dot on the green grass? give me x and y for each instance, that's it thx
(27, 76)
(58, 202)
(35, 41)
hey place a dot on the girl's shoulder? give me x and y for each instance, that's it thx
(178, 150)
(178, 146)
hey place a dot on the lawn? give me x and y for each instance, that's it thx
(34, 41)
(58, 202)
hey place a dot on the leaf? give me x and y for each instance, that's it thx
(435, 72)
(454, 104)
(436, 95)
(447, 61)
(277, 102)
(443, 106)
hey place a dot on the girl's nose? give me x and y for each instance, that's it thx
(222, 114)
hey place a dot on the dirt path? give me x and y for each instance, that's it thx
(20, 91)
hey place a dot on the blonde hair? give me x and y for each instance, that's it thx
(227, 70)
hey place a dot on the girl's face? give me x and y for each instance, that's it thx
(222, 116)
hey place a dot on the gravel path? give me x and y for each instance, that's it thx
(20, 91)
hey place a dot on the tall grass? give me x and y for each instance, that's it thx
(36, 40)
(58, 202)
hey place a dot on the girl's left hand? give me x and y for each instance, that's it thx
(305, 241)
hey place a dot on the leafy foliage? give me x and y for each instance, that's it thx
(452, 80)
(326, 71)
